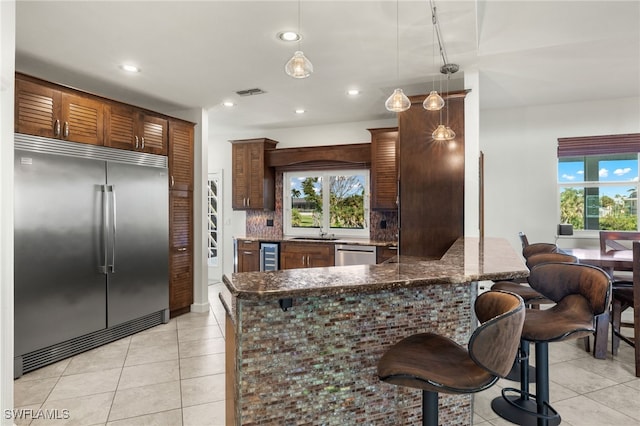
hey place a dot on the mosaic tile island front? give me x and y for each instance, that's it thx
(303, 344)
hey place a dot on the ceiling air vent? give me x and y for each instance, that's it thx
(250, 92)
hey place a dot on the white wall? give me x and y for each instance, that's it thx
(521, 161)
(7, 70)
(220, 159)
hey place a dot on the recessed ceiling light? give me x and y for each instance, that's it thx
(130, 68)
(289, 36)
(300, 111)
(353, 92)
(228, 104)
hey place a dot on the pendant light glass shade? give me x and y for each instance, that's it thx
(442, 133)
(398, 101)
(298, 66)
(433, 102)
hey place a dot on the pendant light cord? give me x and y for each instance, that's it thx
(397, 42)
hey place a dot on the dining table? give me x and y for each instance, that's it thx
(610, 261)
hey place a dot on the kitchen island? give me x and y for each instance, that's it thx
(302, 345)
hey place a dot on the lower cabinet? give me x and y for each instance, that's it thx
(305, 255)
(248, 256)
(180, 252)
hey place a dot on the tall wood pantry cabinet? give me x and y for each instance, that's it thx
(431, 178)
(181, 217)
(253, 181)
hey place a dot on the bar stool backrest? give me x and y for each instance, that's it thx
(540, 258)
(493, 345)
(557, 280)
(538, 248)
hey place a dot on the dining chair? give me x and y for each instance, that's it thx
(624, 297)
(621, 282)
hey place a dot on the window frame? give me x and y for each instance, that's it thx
(596, 146)
(290, 231)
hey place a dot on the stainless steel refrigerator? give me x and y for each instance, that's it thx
(91, 247)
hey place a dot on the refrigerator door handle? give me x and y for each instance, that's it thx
(112, 189)
(105, 230)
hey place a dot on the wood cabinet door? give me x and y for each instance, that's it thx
(292, 260)
(241, 175)
(384, 169)
(248, 260)
(255, 158)
(82, 119)
(181, 250)
(37, 110)
(120, 127)
(153, 134)
(181, 156)
(306, 255)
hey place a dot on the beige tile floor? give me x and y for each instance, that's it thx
(173, 375)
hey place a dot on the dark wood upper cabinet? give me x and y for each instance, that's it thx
(181, 155)
(129, 128)
(431, 179)
(253, 181)
(46, 110)
(384, 168)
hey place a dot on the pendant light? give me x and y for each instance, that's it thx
(442, 132)
(434, 101)
(299, 66)
(398, 101)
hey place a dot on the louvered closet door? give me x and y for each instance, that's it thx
(181, 250)
(154, 131)
(82, 119)
(36, 109)
(181, 156)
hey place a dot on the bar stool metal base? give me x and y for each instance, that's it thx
(519, 410)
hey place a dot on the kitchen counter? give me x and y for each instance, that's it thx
(319, 240)
(302, 345)
(467, 260)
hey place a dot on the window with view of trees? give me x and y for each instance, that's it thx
(332, 202)
(598, 182)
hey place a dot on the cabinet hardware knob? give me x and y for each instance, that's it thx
(66, 129)
(182, 249)
(173, 182)
(247, 252)
(142, 147)
(136, 142)
(56, 128)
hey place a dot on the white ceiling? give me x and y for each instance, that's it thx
(197, 54)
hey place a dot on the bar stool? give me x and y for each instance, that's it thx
(436, 363)
(581, 292)
(521, 371)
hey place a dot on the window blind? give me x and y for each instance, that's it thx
(598, 145)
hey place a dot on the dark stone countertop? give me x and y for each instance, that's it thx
(346, 240)
(468, 259)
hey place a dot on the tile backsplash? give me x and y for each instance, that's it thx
(383, 226)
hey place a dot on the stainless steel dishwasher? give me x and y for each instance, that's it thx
(353, 254)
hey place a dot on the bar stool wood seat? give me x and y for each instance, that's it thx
(435, 363)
